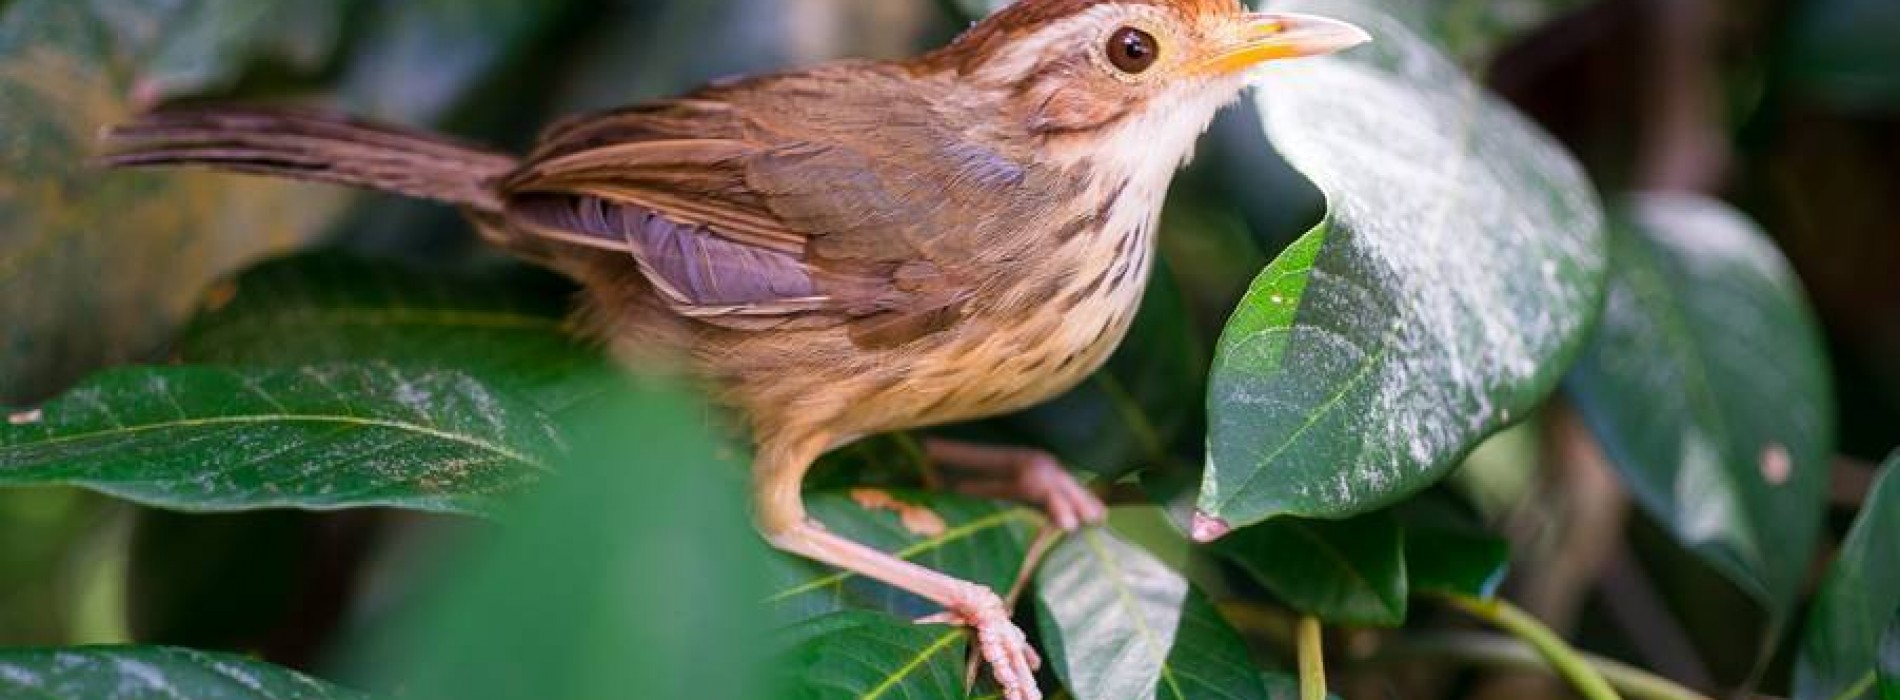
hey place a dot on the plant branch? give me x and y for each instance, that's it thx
(1488, 649)
(1567, 661)
(1312, 660)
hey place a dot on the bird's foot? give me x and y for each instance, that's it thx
(1012, 661)
(1044, 483)
(1022, 474)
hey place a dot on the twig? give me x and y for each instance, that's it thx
(1567, 661)
(1496, 650)
(1312, 660)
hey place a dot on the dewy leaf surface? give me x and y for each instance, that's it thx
(1118, 623)
(1708, 387)
(506, 327)
(137, 673)
(323, 437)
(1458, 269)
(1348, 572)
(1859, 599)
(860, 655)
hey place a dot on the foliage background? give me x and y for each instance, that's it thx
(1791, 115)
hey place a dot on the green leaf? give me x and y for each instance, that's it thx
(1841, 646)
(1348, 572)
(503, 326)
(630, 571)
(1440, 560)
(1708, 388)
(324, 437)
(862, 655)
(979, 541)
(1117, 623)
(1457, 271)
(97, 266)
(1889, 671)
(153, 673)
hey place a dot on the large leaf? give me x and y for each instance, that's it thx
(153, 673)
(862, 655)
(97, 266)
(979, 541)
(1708, 388)
(1458, 269)
(1119, 624)
(343, 436)
(1349, 572)
(502, 326)
(1453, 562)
(1860, 596)
(630, 572)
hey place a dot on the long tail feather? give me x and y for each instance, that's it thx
(312, 146)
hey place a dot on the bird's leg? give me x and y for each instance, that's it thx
(1022, 474)
(777, 476)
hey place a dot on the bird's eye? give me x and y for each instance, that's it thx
(1132, 50)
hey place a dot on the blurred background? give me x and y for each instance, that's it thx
(1789, 109)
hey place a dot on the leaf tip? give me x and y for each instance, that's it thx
(1206, 528)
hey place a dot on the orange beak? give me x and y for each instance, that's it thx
(1268, 36)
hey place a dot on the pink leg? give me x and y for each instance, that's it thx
(1022, 474)
(777, 474)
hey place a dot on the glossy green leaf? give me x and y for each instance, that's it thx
(1842, 646)
(98, 266)
(860, 655)
(323, 437)
(505, 326)
(1708, 387)
(631, 571)
(1457, 563)
(1458, 269)
(1117, 623)
(980, 541)
(153, 673)
(1348, 572)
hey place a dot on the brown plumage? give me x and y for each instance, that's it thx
(847, 249)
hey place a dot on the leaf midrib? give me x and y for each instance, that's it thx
(222, 421)
(1091, 539)
(890, 681)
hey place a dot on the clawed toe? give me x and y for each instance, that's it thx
(1002, 645)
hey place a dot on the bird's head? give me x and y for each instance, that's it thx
(1134, 78)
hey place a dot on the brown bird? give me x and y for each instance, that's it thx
(847, 249)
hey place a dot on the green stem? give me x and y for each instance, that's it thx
(1488, 649)
(1312, 660)
(1859, 688)
(1567, 661)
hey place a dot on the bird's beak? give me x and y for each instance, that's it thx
(1267, 36)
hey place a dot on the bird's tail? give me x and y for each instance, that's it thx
(313, 146)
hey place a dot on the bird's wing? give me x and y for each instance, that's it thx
(738, 225)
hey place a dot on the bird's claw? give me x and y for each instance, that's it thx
(1004, 648)
(1069, 504)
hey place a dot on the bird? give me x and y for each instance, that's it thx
(845, 249)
